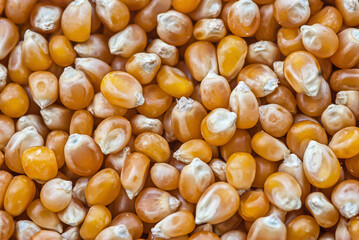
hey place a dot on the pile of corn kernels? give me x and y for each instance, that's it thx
(179, 119)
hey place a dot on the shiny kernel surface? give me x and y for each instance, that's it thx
(179, 119)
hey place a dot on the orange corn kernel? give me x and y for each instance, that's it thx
(165, 176)
(7, 225)
(81, 122)
(345, 79)
(153, 205)
(168, 53)
(300, 134)
(152, 145)
(195, 148)
(337, 117)
(10, 36)
(294, 166)
(43, 217)
(315, 106)
(195, 178)
(45, 18)
(17, 70)
(174, 82)
(264, 52)
(17, 144)
(268, 26)
(219, 126)
(253, 205)
(157, 101)
(75, 90)
(241, 170)
(19, 11)
(319, 40)
(82, 155)
(43, 88)
(216, 196)
(174, 28)
(302, 71)
(186, 119)
(276, 152)
(98, 218)
(349, 11)
(19, 194)
(194, 58)
(101, 108)
(322, 209)
(344, 142)
(129, 41)
(212, 30)
(348, 44)
(147, 16)
(344, 198)
(328, 16)
(352, 165)
(259, 78)
(134, 173)
(264, 169)
(215, 91)
(175, 225)
(96, 46)
(353, 227)
(5, 180)
(243, 18)
(113, 14)
(56, 141)
(275, 119)
(103, 187)
(289, 40)
(113, 134)
(116, 87)
(56, 194)
(61, 51)
(131, 222)
(14, 102)
(143, 66)
(291, 14)
(78, 12)
(244, 103)
(39, 163)
(141, 124)
(231, 54)
(283, 191)
(207, 9)
(302, 227)
(240, 142)
(35, 51)
(283, 97)
(270, 227)
(320, 164)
